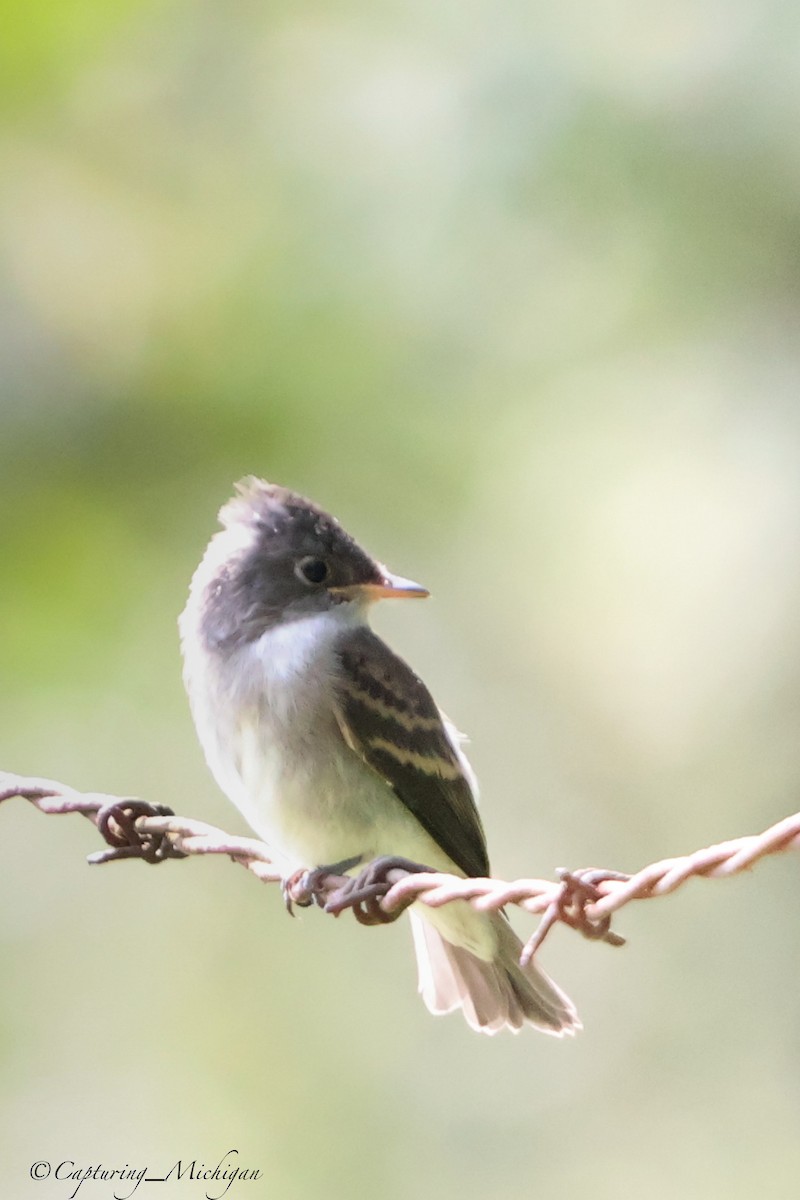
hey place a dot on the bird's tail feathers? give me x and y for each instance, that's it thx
(494, 995)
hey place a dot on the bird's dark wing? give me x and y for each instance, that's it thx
(389, 718)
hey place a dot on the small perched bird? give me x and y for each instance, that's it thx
(333, 749)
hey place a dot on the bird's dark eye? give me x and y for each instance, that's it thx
(311, 570)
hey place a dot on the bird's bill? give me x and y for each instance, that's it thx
(390, 587)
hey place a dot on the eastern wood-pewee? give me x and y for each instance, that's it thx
(332, 747)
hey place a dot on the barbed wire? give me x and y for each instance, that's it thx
(585, 899)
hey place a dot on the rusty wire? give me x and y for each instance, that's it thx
(585, 900)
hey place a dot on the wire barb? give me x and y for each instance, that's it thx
(585, 900)
(578, 890)
(119, 823)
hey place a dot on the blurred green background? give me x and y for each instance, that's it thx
(514, 290)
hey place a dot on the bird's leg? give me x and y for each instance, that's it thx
(305, 888)
(364, 892)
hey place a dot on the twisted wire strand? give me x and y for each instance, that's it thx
(584, 899)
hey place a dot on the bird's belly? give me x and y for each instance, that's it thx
(313, 808)
(310, 810)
